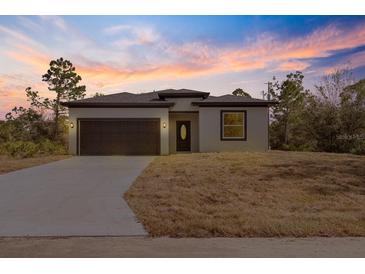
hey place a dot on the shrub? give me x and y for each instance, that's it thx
(285, 147)
(358, 148)
(48, 147)
(25, 149)
(20, 149)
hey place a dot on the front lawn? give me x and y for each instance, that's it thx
(8, 164)
(252, 195)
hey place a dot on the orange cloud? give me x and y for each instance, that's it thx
(12, 92)
(282, 54)
(164, 60)
(111, 75)
(30, 56)
(10, 96)
(293, 66)
(198, 59)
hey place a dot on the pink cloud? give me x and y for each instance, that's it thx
(197, 59)
(320, 43)
(29, 56)
(12, 91)
(292, 66)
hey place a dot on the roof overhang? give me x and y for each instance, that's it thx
(234, 104)
(117, 105)
(163, 95)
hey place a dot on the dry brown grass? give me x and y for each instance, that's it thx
(252, 195)
(8, 164)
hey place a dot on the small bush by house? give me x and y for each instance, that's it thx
(27, 149)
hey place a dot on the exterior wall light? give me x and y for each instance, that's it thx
(71, 125)
(164, 124)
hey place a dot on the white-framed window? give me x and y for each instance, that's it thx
(233, 125)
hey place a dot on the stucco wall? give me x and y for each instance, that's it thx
(183, 104)
(161, 113)
(210, 135)
(194, 129)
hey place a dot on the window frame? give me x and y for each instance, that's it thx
(244, 138)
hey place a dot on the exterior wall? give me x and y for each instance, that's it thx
(210, 130)
(183, 104)
(162, 113)
(194, 124)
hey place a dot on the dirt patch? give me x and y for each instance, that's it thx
(252, 195)
(132, 247)
(9, 164)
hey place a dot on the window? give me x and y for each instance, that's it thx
(183, 132)
(233, 125)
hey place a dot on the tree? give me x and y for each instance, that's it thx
(241, 92)
(322, 125)
(332, 85)
(290, 95)
(323, 115)
(64, 81)
(353, 107)
(352, 116)
(22, 124)
(29, 130)
(26, 124)
(98, 94)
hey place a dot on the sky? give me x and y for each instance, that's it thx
(144, 53)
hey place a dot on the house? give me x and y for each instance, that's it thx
(167, 121)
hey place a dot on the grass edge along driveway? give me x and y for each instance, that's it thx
(9, 164)
(242, 194)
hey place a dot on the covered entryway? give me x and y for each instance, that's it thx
(183, 132)
(132, 136)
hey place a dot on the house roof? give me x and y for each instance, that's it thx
(157, 99)
(232, 100)
(123, 99)
(181, 93)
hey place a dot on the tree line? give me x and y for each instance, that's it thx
(331, 118)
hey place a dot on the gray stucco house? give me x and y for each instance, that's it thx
(167, 121)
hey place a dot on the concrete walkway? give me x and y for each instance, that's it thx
(79, 196)
(185, 247)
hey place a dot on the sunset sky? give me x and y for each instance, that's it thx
(145, 53)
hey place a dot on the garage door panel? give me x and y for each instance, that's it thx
(119, 137)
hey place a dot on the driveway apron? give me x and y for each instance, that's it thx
(79, 196)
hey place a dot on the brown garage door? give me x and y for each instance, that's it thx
(119, 136)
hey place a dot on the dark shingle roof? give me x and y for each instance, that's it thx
(122, 99)
(182, 93)
(157, 99)
(232, 100)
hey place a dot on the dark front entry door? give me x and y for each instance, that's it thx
(183, 136)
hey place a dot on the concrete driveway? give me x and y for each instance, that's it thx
(79, 196)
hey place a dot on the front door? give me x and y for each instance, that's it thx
(183, 136)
